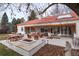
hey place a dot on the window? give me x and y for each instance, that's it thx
(21, 28)
(42, 29)
(64, 16)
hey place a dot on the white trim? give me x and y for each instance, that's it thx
(64, 16)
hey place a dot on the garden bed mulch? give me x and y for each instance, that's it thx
(53, 50)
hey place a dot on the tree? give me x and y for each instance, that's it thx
(10, 27)
(4, 23)
(14, 25)
(15, 22)
(18, 21)
(4, 20)
(22, 20)
(32, 16)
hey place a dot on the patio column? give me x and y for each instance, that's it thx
(67, 31)
(30, 29)
(60, 29)
(64, 30)
(77, 27)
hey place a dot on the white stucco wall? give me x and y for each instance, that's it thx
(77, 27)
(19, 29)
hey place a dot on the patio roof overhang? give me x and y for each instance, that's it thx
(65, 23)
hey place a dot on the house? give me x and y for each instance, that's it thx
(65, 24)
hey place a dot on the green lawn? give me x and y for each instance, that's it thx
(3, 36)
(5, 51)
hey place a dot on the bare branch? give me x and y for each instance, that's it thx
(5, 7)
(47, 8)
(28, 5)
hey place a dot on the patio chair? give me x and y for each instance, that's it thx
(68, 49)
(20, 36)
(45, 34)
(41, 35)
(28, 35)
(49, 34)
(58, 36)
(13, 38)
(36, 37)
(76, 42)
(24, 37)
(9, 36)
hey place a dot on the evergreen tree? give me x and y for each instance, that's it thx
(32, 16)
(4, 20)
(10, 27)
(20, 20)
(14, 25)
(4, 23)
(15, 22)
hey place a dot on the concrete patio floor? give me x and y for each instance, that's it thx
(59, 42)
(62, 42)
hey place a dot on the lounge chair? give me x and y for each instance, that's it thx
(20, 36)
(14, 37)
(26, 37)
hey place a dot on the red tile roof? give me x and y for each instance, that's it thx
(50, 19)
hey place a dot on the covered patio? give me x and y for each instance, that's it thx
(63, 29)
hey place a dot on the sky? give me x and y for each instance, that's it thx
(16, 14)
(40, 6)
